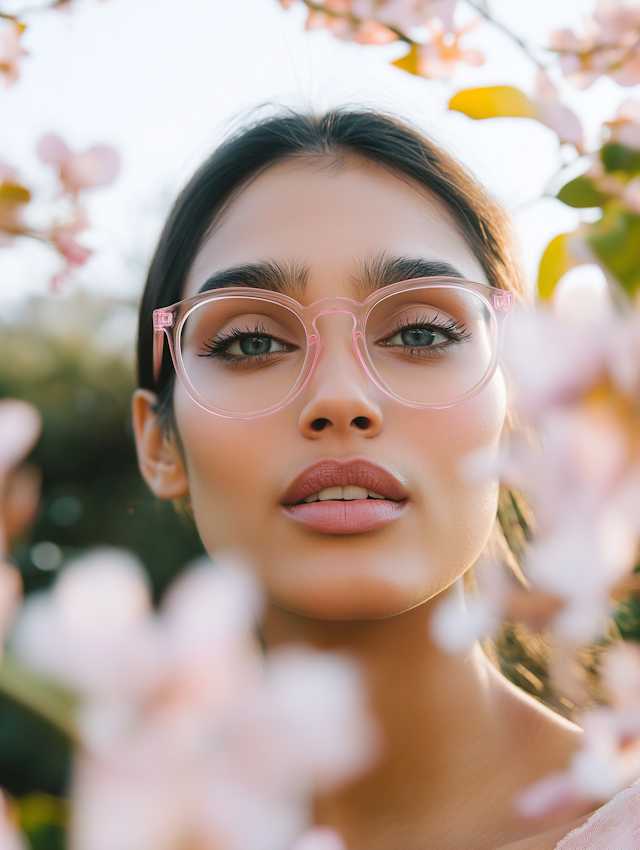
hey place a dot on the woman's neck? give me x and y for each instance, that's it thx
(458, 739)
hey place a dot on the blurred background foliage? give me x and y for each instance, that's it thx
(71, 356)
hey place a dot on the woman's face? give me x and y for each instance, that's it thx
(333, 220)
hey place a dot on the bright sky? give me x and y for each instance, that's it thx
(164, 80)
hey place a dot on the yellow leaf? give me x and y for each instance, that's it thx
(556, 261)
(13, 194)
(494, 102)
(410, 62)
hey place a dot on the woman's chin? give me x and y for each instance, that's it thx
(348, 596)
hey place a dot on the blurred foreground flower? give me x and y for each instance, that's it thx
(384, 21)
(582, 390)
(20, 426)
(12, 52)
(610, 45)
(10, 838)
(609, 758)
(97, 166)
(576, 366)
(89, 169)
(187, 733)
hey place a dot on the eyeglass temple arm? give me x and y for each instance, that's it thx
(162, 321)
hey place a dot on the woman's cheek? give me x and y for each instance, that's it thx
(458, 510)
(226, 462)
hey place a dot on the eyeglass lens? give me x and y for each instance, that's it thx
(425, 346)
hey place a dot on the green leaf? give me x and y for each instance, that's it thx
(615, 238)
(617, 157)
(556, 261)
(48, 701)
(581, 193)
(44, 820)
(494, 102)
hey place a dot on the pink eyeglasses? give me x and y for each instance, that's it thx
(242, 353)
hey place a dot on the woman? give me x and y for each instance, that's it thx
(344, 285)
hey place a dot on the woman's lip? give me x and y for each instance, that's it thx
(341, 472)
(354, 517)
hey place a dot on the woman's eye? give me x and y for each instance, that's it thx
(416, 337)
(255, 345)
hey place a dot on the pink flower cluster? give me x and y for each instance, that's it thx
(624, 129)
(184, 730)
(578, 374)
(610, 45)
(20, 426)
(89, 169)
(11, 53)
(374, 21)
(609, 758)
(384, 21)
(576, 378)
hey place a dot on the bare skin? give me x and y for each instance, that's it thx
(460, 740)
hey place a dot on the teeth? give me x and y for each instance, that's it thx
(330, 493)
(348, 493)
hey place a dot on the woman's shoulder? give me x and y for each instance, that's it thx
(615, 825)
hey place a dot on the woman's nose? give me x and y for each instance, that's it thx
(338, 396)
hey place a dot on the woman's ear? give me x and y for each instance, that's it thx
(159, 456)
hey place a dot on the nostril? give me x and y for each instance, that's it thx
(319, 424)
(362, 423)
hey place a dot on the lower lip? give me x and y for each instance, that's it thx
(354, 517)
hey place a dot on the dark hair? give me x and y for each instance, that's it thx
(370, 135)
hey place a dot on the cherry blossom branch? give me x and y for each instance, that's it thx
(482, 8)
(352, 19)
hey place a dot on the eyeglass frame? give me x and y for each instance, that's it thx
(170, 320)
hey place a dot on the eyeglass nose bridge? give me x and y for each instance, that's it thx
(355, 336)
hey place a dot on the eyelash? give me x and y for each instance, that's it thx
(457, 331)
(217, 346)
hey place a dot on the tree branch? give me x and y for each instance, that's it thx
(482, 8)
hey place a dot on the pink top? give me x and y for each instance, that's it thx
(616, 826)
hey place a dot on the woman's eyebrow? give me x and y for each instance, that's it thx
(287, 278)
(291, 278)
(383, 270)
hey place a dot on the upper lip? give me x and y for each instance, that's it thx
(334, 472)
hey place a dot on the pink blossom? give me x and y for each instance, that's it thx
(438, 58)
(12, 52)
(347, 28)
(187, 734)
(375, 21)
(97, 166)
(631, 195)
(320, 838)
(405, 15)
(559, 118)
(20, 425)
(10, 838)
(609, 757)
(611, 45)
(63, 237)
(625, 127)
(459, 620)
